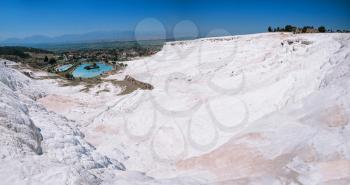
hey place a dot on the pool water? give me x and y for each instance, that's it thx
(64, 68)
(80, 71)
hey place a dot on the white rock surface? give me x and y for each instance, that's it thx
(41, 147)
(252, 109)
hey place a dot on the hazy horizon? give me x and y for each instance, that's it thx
(166, 19)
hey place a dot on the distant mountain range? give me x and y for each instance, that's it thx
(99, 36)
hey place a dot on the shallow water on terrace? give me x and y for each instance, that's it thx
(64, 67)
(80, 71)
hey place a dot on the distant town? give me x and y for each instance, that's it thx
(106, 55)
(50, 60)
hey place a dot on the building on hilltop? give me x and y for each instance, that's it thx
(311, 30)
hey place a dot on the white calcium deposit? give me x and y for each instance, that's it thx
(270, 108)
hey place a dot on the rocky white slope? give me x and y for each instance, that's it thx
(42, 147)
(252, 109)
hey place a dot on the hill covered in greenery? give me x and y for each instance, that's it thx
(19, 51)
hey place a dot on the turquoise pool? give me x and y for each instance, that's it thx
(64, 68)
(80, 71)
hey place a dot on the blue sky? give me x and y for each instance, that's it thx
(22, 18)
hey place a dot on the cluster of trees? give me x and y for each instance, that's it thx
(290, 28)
(52, 61)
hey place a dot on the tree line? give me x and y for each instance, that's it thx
(305, 29)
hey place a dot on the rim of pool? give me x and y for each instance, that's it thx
(64, 67)
(81, 72)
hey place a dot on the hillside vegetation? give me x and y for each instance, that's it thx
(20, 51)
